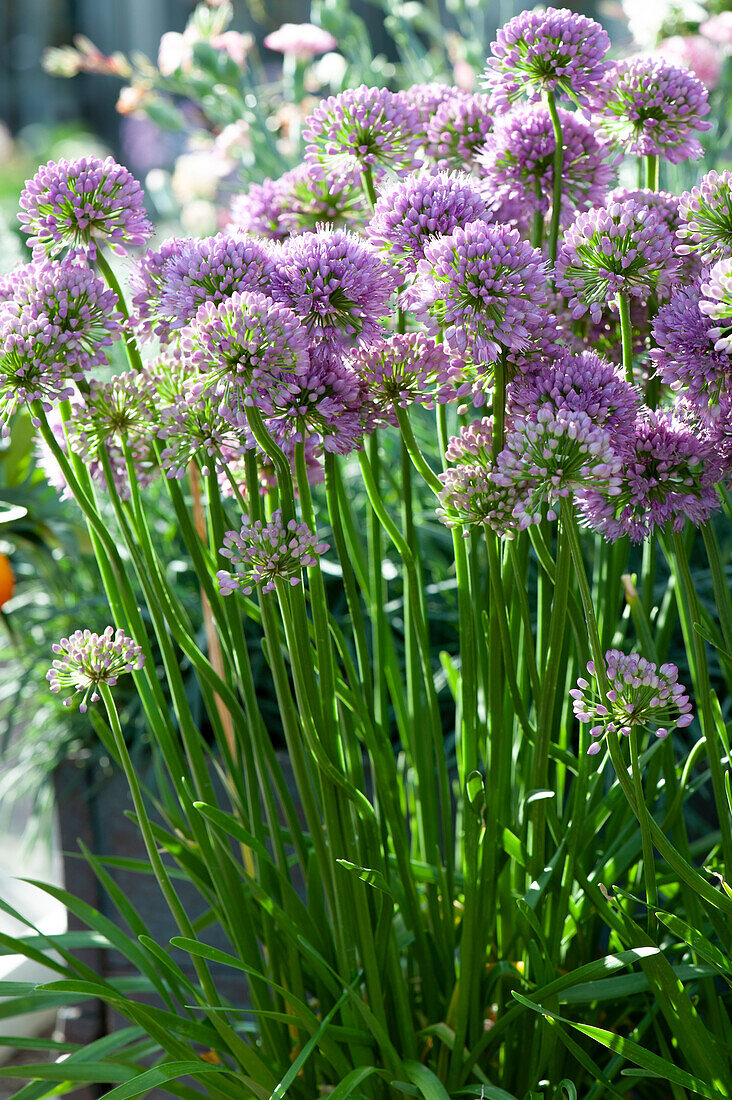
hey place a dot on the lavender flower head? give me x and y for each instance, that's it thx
(310, 202)
(716, 303)
(554, 454)
(623, 248)
(457, 131)
(470, 494)
(258, 210)
(653, 108)
(337, 285)
(555, 50)
(262, 554)
(484, 288)
(412, 212)
(685, 356)
(406, 369)
(324, 406)
(668, 478)
(581, 383)
(86, 660)
(208, 270)
(427, 97)
(246, 342)
(301, 40)
(53, 331)
(706, 218)
(146, 284)
(640, 695)
(115, 416)
(198, 424)
(78, 204)
(518, 161)
(362, 129)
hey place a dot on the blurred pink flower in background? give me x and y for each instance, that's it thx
(175, 52)
(692, 51)
(302, 40)
(718, 28)
(234, 43)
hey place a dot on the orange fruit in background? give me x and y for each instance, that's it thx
(7, 580)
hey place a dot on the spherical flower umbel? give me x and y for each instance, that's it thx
(484, 288)
(583, 383)
(624, 248)
(457, 131)
(338, 286)
(113, 416)
(301, 40)
(518, 161)
(705, 215)
(470, 494)
(80, 203)
(263, 553)
(653, 108)
(555, 50)
(86, 660)
(197, 424)
(209, 270)
(640, 694)
(555, 454)
(685, 356)
(248, 342)
(324, 406)
(258, 210)
(668, 477)
(146, 285)
(424, 205)
(716, 303)
(406, 369)
(362, 129)
(55, 329)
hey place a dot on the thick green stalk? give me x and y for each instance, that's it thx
(557, 176)
(695, 646)
(626, 336)
(649, 875)
(652, 172)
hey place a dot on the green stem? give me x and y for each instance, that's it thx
(557, 171)
(626, 336)
(646, 842)
(652, 172)
(499, 404)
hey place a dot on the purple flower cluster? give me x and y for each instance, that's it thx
(246, 342)
(668, 477)
(298, 201)
(425, 205)
(198, 424)
(553, 454)
(112, 417)
(171, 284)
(705, 215)
(338, 286)
(517, 161)
(482, 287)
(457, 131)
(584, 383)
(362, 129)
(640, 694)
(623, 248)
(685, 356)
(82, 203)
(653, 108)
(324, 406)
(406, 369)
(86, 660)
(262, 554)
(53, 330)
(470, 493)
(555, 50)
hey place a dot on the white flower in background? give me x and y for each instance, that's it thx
(647, 17)
(197, 176)
(328, 71)
(175, 52)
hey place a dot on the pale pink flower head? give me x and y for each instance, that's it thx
(175, 53)
(235, 44)
(693, 52)
(718, 29)
(302, 40)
